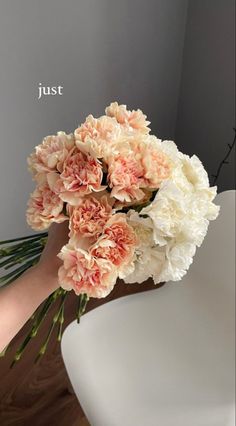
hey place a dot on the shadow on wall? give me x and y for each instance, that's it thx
(206, 109)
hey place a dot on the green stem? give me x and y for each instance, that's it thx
(17, 270)
(82, 303)
(2, 354)
(28, 237)
(54, 321)
(31, 244)
(21, 259)
(13, 278)
(22, 248)
(36, 325)
(9, 260)
(61, 322)
(80, 297)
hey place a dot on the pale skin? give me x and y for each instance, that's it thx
(20, 299)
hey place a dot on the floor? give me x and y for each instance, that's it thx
(40, 394)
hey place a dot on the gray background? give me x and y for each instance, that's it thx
(174, 59)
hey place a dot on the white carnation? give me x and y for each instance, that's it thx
(171, 150)
(176, 222)
(180, 210)
(202, 203)
(143, 228)
(149, 263)
(178, 259)
(167, 211)
(194, 171)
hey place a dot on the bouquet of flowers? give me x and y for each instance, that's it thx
(136, 208)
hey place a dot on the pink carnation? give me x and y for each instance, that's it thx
(85, 274)
(118, 242)
(90, 216)
(51, 153)
(95, 135)
(134, 119)
(44, 207)
(81, 175)
(126, 177)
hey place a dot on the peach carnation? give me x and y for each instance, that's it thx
(119, 205)
(81, 175)
(125, 176)
(157, 166)
(132, 119)
(51, 153)
(140, 164)
(90, 216)
(44, 207)
(96, 135)
(117, 243)
(85, 274)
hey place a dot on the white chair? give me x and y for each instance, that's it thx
(163, 357)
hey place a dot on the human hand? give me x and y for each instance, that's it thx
(49, 263)
(34, 286)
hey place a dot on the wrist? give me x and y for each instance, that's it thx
(48, 279)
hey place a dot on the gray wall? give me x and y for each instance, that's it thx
(100, 51)
(132, 51)
(206, 110)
